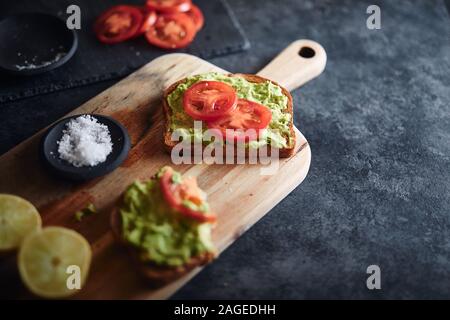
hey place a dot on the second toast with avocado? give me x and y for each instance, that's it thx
(166, 223)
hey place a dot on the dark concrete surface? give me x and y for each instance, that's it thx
(378, 121)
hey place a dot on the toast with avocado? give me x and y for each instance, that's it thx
(166, 224)
(190, 99)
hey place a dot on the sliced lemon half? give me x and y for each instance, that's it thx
(54, 262)
(18, 218)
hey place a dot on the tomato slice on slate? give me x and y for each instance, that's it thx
(176, 193)
(118, 24)
(148, 21)
(172, 31)
(209, 100)
(169, 6)
(247, 115)
(197, 16)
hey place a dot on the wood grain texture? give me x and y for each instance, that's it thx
(136, 102)
(300, 62)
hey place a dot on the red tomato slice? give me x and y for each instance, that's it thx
(118, 24)
(172, 31)
(169, 6)
(209, 100)
(175, 193)
(197, 16)
(149, 20)
(247, 115)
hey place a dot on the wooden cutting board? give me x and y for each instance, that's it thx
(238, 193)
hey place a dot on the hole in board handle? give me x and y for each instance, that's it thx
(307, 52)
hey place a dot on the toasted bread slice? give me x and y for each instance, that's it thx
(283, 153)
(157, 275)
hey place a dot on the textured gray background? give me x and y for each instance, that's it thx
(378, 121)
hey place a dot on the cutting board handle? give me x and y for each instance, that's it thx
(300, 62)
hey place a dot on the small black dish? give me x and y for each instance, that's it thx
(50, 155)
(33, 43)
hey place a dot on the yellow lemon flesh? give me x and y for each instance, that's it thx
(18, 218)
(54, 262)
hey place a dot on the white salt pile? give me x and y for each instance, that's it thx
(85, 142)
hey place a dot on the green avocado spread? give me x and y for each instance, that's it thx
(160, 233)
(267, 94)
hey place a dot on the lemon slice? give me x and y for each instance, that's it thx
(54, 262)
(18, 218)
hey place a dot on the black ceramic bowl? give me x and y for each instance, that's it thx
(50, 155)
(33, 43)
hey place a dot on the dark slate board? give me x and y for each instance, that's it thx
(95, 62)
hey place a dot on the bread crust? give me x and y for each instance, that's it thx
(283, 152)
(156, 275)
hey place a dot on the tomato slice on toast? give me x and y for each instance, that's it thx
(244, 122)
(176, 193)
(209, 100)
